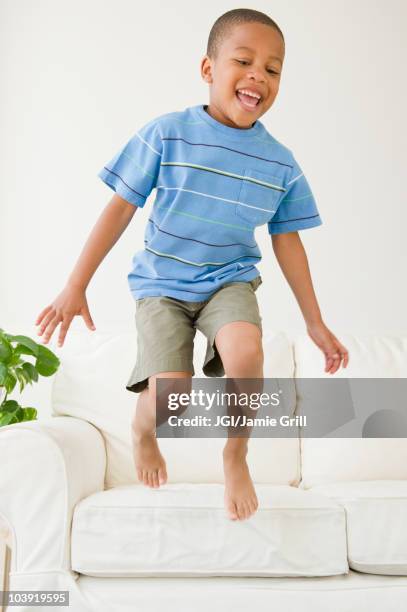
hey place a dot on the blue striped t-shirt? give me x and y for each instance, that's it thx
(214, 185)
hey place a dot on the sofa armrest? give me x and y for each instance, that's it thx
(46, 468)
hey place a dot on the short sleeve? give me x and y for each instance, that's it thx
(297, 209)
(132, 173)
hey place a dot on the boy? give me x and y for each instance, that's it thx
(218, 174)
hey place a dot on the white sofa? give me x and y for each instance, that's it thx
(330, 532)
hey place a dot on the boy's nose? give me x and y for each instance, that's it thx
(257, 75)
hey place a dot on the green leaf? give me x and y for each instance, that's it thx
(15, 359)
(25, 341)
(20, 377)
(14, 369)
(10, 382)
(30, 371)
(25, 375)
(9, 412)
(24, 350)
(12, 412)
(10, 406)
(3, 374)
(47, 362)
(30, 414)
(6, 350)
(6, 419)
(19, 414)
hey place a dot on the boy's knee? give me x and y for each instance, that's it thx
(170, 383)
(181, 380)
(249, 354)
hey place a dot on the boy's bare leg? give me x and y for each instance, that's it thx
(149, 462)
(240, 347)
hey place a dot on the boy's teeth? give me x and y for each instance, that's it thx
(249, 93)
(250, 100)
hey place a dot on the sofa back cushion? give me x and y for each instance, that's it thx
(326, 460)
(90, 384)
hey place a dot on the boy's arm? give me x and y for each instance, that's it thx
(107, 230)
(293, 262)
(72, 299)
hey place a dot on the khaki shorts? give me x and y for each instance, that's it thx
(166, 329)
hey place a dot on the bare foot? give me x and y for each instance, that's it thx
(150, 464)
(240, 496)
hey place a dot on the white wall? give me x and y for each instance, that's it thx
(78, 78)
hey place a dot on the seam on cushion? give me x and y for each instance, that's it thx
(313, 589)
(361, 498)
(67, 572)
(353, 560)
(211, 574)
(389, 586)
(219, 509)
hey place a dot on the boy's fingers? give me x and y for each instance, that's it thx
(42, 314)
(338, 362)
(50, 328)
(344, 358)
(63, 329)
(344, 355)
(46, 321)
(335, 367)
(88, 319)
(334, 360)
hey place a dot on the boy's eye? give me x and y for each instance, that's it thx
(247, 62)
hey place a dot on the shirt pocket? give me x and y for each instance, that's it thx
(258, 197)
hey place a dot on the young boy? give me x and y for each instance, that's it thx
(219, 174)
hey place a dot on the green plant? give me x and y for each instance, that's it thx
(14, 369)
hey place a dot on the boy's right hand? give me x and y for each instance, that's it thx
(70, 302)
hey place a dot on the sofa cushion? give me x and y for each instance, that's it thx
(376, 513)
(327, 460)
(90, 384)
(182, 530)
(353, 592)
(344, 458)
(370, 356)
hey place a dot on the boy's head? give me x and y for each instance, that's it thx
(245, 52)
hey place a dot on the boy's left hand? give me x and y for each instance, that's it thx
(333, 350)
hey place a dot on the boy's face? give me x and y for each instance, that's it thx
(256, 68)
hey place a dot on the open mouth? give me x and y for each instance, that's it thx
(249, 101)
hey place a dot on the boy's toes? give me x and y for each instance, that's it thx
(140, 474)
(231, 508)
(246, 511)
(241, 511)
(145, 477)
(162, 476)
(154, 479)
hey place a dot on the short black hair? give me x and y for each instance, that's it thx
(224, 24)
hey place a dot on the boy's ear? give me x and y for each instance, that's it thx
(206, 69)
